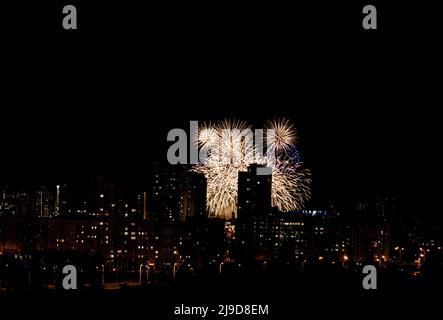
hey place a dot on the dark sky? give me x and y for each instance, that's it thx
(100, 101)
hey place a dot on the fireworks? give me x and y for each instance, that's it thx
(285, 134)
(227, 147)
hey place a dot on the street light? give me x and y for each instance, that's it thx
(173, 270)
(140, 274)
(220, 267)
(147, 273)
(345, 259)
(116, 275)
(103, 274)
(148, 267)
(423, 254)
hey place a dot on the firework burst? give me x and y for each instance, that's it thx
(285, 134)
(226, 148)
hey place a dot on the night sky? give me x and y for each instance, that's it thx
(101, 101)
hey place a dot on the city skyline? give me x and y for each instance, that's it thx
(121, 235)
(176, 195)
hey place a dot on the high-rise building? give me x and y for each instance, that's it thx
(165, 194)
(176, 195)
(385, 208)
(255, 221)
(192, 195)
(327, 238)
(44, 203)
(7, 202)
(128, 229)
(57, 200)
(254, 193)
(289, 236)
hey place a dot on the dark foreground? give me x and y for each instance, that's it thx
(295, 296)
